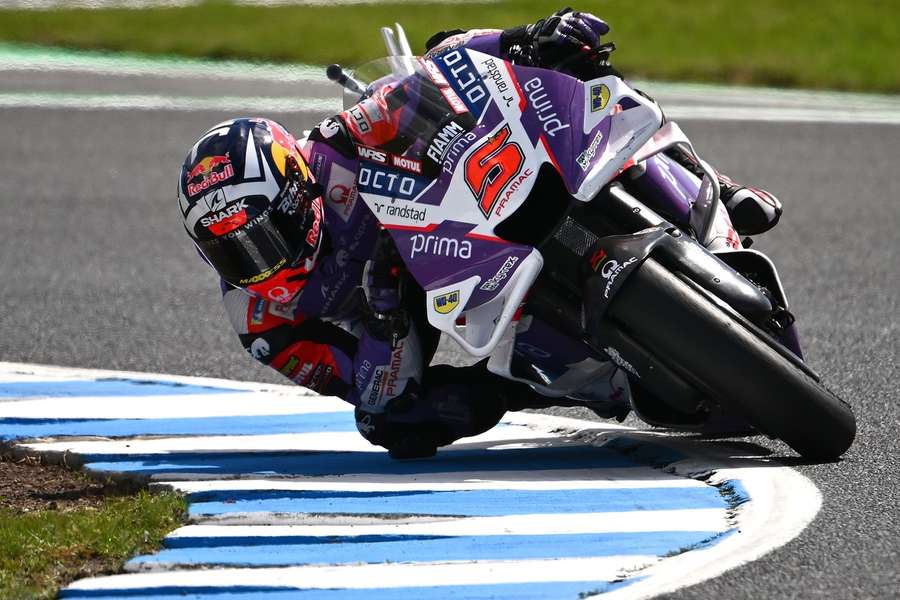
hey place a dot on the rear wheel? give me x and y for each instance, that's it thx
(732, 364)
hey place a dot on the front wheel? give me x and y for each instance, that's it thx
(733, 365)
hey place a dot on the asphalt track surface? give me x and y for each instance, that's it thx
(97, 272)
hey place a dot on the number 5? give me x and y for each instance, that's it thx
(491, 167)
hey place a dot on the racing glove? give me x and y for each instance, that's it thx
(453, 402)
(550, 41)
(382, 279)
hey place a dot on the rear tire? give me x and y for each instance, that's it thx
(733, 365)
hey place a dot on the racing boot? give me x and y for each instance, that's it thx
(752, 210)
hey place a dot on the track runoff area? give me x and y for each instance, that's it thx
(287, 500)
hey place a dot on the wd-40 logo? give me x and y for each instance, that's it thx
(445, 303)
(464, 78)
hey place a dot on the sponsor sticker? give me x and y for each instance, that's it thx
(371, 154)
(385, 182)
(442, 141)
(284, 311)
(465, 80)
(494, 282)
(289, 366)
(329, 128)
(211, 171)
(342, 195)
(232, 217)
(584, 159)
(259, 308)
(259, 349)
(409, 213)
(408, 164)
(455, 102)
(320, 377)
(375, 387)
(445, 303)
(312, 235)
(393, 373)
(386, 158)
(620, 361)
(611, 269)
(455, 150)
(543, 107)
(433, 72)
(279, 293)
(440, 246)
(514, 186)
(360, 119)
(599, 97)
(597, 257)
(264, 275)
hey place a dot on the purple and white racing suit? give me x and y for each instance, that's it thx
(328, 338)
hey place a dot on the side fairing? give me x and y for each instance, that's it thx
(518, 119)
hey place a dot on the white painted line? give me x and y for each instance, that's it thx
(17, 372)
(263, 105)
(301, 442)
(765, 96)
(186, 407)
(144, 4)
(782, 115)
(700, 519)
(250, 105)
(625, 478)
(386, 575)
(679, 100)
(48, 60)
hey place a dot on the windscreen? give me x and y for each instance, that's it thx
(416, 107)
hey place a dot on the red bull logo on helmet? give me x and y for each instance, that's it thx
(283, 145)
(212, 170)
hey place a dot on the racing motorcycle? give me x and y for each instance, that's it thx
(551, 232)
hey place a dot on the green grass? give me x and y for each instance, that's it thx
(43, 550)
(825, 44)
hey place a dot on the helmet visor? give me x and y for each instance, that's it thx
(280, 236)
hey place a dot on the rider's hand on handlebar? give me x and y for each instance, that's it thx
(382, 276)
(559, 36)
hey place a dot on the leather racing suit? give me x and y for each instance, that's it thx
(330, 339)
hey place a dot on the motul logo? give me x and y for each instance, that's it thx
(410, 164)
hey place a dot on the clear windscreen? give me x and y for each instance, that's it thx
(411, 99)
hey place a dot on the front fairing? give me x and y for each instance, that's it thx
(481, 130)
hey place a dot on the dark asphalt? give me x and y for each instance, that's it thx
(97, 272)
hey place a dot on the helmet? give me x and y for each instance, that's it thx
(252, 207)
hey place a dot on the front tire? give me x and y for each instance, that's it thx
(730, 363)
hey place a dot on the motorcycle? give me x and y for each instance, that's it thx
(551, 232)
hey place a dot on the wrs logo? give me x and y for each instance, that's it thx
(211, 170)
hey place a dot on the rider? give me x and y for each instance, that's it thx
(314, 289)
